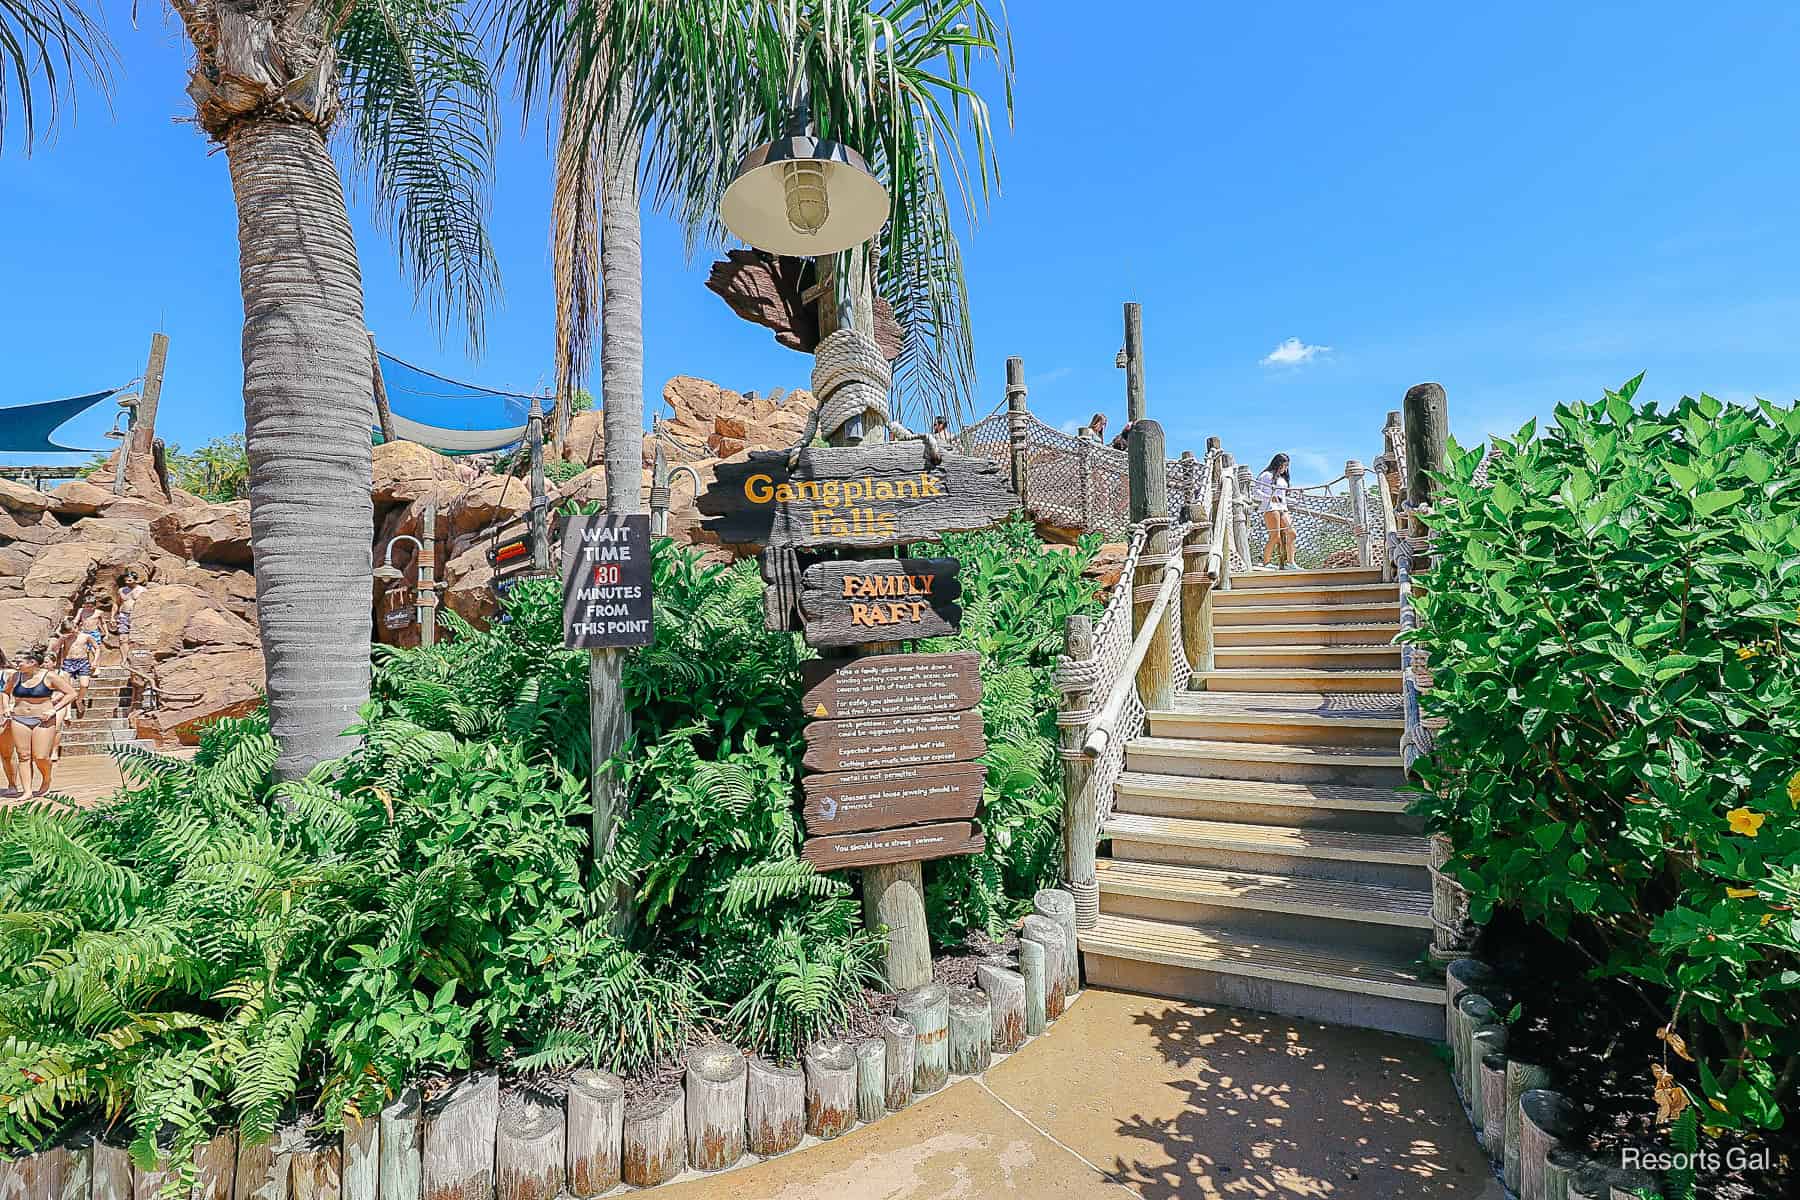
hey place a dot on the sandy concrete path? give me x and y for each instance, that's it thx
(1131, 1096)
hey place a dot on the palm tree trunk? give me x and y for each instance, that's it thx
(622, 325)
(308, 410)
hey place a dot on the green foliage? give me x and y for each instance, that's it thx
(1016, 599)
(1612, 630)
(217, 472)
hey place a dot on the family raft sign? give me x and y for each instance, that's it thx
(606, 581)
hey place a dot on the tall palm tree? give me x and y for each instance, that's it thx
(270, 82)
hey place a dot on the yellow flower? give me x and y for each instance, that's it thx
(1718, 1104)
(1741, 893)
(1745, 821)
(1767, 917)
(1793, 789)
(1745, 653)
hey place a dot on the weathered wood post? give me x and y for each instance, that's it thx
(400, 1147)
(1354, 473)
(1084, 458)
(1006, 993)
(383, 415)
(1150, 505)
(596, 1129)
(1049, 935)
(1196, 597)
(1521, 1077)
(655, 1139)
(775, 1109)
(1491, 1076)
(900, 1040)
(1472, 1011)
(1483, 1040)
(362, 1160)
(659, 493)
(927, 1010)
(1018, 429)
(871, 1079)
(830, 1088)
(1244, 512)
(1427, 439)
(529, 1150)
(540, 537)
(316, 1170)
(1453, 931)
(716, 1083)
(140, 441)
(1134, 361)
(971, 1031)
(1076, 675)
(427, 580)
(1547, 1119)
(1055, 904)
(1034, 970)
(458, 1139)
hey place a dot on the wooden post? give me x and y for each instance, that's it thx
(262, 1170)
(1006, 994)
(143, 424)
(927, 1010)
(716, 1088)
(596, 1129)
(1521, 1077)
(427, 581)
(1056, 905)
(1196, 598)
(1084, 460)
(1492, 1082)
(1049, 934)
(383, 416)
(830, 1088)
(399, 1148)
(900, 1040)
(78, 1181)
(1453, 931)
(1150, 503)
(1081, 820)
(1546, 1120)
(1472, 1010)
(318, 1173)
(1560, 1166)
(1427, 439)
(871, 1079)
(971, 1031)
(1033, 970)
(659, 492)
(1632, 1183)
(894, 898)
(774, 1108)
(1483, 1041)
(457, 1162)
(655, 1140)
(1134, 362)
(1592, 1181)
(362, 1159)
(1359, 512)
(529, 1150)
(1462, 975)
(540, 536)
(1245, 511)
(112, 1173)
(1018, 433)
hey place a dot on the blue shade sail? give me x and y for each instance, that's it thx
(26, 428)
(449, 416)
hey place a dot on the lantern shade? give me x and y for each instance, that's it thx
(755, 206)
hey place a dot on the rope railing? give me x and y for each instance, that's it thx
(1104, 730)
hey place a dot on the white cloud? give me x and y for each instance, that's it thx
(1293, 352)
(1052, 375)
(1071, 426)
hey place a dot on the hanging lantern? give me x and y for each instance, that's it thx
(804, 196)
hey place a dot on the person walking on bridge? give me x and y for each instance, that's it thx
(1272, 488)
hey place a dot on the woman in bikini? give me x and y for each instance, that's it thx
(36, 697)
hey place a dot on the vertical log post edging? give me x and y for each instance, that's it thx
(1048, 934)
(1032, 971)
(362, 1159)
(1546, 1120)
(1483, 1041)
(900, 1040)
(530, 1150)
(1461, 975)
(1592, 1181)
(971, 1031)
(261, 1172)
(1076, 674)
(1493, 1107)
(1521, 1077)
(596, 1131)
(654, 1139)
(1452, 929)
(1006, 994)
(774, 1108)
(830, 1088)
(1560, 1166)
(871, 1079)
(111, 1167)
(1427, 424)
(1472, 1011)
(927, 1010)
(1150, 507)
(716, 1086)
(458, 1138)
(1054, 904)
(318, 1171)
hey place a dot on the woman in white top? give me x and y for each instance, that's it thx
(1272, 489)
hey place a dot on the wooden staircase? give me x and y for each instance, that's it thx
(1260, 852)
(108, 722)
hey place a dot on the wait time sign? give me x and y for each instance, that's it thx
(606, 581)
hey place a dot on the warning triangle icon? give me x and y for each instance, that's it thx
(819, 711)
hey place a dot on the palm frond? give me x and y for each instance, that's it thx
(45, 45)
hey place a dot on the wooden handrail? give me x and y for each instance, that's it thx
(1390, 525)
(1216, 553)
(1101, 731)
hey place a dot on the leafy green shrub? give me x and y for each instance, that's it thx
(1612, 631)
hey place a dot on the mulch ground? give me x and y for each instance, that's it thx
(1599, 1037)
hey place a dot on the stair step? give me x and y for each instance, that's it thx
(1276, 762)
(1361, 612)
(1371, 990)
(101, 749)
(1388, 859)
(1327, 898)
(1308, 655)
(1320, 577)
(1365, 719)
(1257, 591)
(1303, 679)
(1255, 802)
(1344, 633)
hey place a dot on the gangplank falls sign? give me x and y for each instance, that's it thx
(862, 497)
(865, 600)
(606, 581)
(892, 746)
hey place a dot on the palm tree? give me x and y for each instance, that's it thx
(44, 47)
(270, 83)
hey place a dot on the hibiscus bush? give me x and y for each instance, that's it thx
(1614, 629)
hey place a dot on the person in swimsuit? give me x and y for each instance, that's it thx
(79, 650)
(129, 591)
(36, 697)
(6, 746)
(1272, 489)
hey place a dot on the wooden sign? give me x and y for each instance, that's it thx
(853, 497)
(912, 740)
(606, 580)
(848, 602)
(888, 685)
(851, 801)
(893, 845)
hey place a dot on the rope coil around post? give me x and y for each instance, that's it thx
(850, 377)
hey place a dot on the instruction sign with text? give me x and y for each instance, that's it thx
(606, 581)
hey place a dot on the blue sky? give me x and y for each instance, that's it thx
(1526, 208)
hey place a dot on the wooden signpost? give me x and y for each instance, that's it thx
(916, 843)
(854, 801)
(913, 740)
(886, 685)
(849, 602)
(606, 580)
(852, 498)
